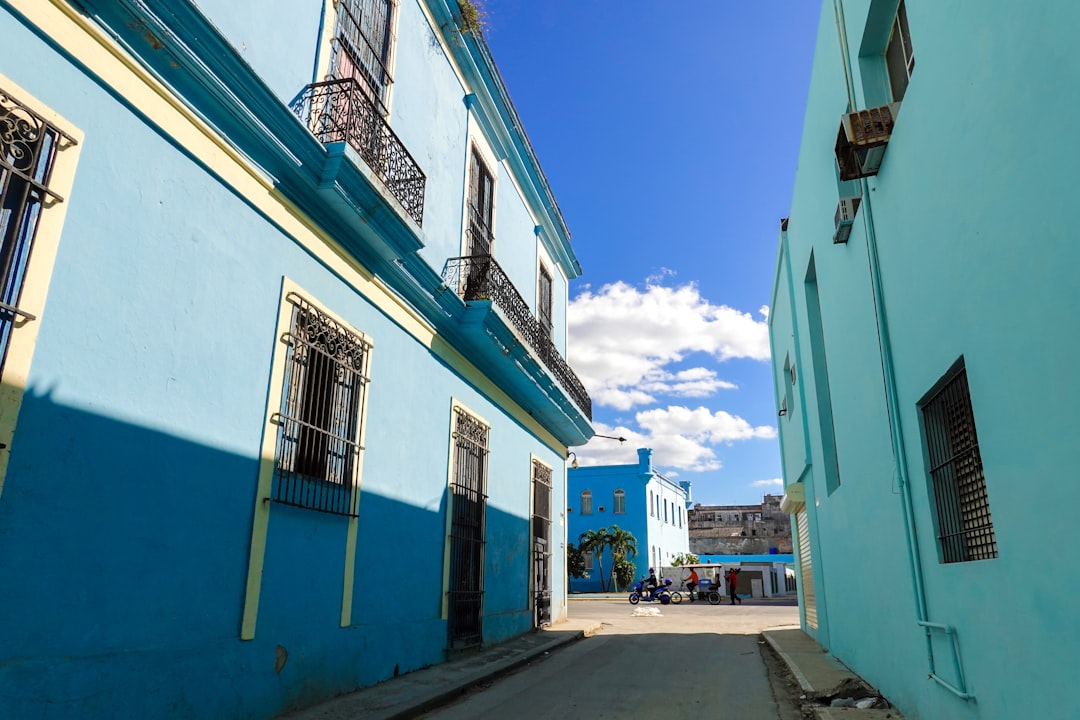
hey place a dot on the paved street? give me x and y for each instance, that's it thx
(693, 661)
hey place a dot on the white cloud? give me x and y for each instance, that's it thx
(774, 482)
(702, 424)
(623, 340)
(681, 438)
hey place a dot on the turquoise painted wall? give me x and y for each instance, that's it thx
(973, 251)
(127, 506)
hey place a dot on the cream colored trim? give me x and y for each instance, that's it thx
(533, 457)
(354, 524)
(325, 50)
(95, 50)
(455, 407)
(261, 523)
(391, 58)
(24, 332)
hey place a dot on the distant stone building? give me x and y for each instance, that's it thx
(740, 529)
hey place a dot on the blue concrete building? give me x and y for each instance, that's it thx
(922, 325)
(637, 498)
(284, 404)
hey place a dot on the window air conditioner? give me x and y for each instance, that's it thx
(844, 218)
(860, 144)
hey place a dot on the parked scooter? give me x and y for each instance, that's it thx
(662, 594)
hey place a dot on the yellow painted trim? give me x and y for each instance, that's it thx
(261, 523)
(349, 580)
(455, 407)
(326, 41)
(95, 50)
(24, 332)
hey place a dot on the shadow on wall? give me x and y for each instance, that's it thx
(130, 552)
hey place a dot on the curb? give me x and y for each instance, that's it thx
(443, 697)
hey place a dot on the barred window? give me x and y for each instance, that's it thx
(586, 502)
(619, 502)
(965, 529)
(468, 511)
(544, 302)
(322, 400)
(28, 148)
(362, 44)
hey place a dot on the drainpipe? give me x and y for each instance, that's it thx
(896, 435)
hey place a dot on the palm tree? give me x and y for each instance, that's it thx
(596, 541)
(623, 546)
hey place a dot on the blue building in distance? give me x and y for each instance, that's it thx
(637, 498)
(923, 323)
(284, 307)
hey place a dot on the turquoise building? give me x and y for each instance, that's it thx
(637, 498)
(283, 399)
(922, 321)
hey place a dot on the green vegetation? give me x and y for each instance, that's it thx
(472, 17)
(685, 559)
(623, 546)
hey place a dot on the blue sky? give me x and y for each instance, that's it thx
(669, 133)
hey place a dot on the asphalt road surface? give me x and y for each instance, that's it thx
(691, 661)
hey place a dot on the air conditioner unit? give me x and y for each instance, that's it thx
(844, 218)
(860, 144)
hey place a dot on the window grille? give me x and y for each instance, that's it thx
(481, 202)
(361, 46)
(541, 520)
(28, 148)
(318, 448)
(545, 302)
(619, 504)
(468, 487)
(586, 502)
(965, 529)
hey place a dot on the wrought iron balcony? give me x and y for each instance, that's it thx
(340, 110)
(479, 277)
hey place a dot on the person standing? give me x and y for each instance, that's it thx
(732, 578)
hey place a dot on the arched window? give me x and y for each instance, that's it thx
(652, 511)
(620, 502)
(586, 502)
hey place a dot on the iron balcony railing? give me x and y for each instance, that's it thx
(341, 110)
(479, 277)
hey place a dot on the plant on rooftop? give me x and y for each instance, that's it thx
(472, 17)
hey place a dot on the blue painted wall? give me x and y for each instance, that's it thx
(973, 250)
(636, 480)
(126, 512)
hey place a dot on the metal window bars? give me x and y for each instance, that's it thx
(468, 508)
(361, 46)
(28, 149)
(965, 528)
(479, 277)
(341, 111)
(541, 521)
(318, 449)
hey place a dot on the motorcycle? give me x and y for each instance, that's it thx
(662, 594)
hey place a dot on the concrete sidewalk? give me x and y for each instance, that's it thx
(822, 677)
(419, 691)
